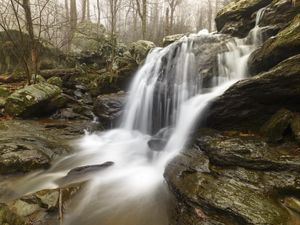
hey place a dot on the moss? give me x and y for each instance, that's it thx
(275, 50)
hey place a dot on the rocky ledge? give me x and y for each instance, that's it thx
(235, 178)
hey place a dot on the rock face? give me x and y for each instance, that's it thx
(275, 50)
(140, 49)
(42, 207)
(279, 13)
(238, 17)
(233, 179)
(33, 100)
(108, 108)
(248, 104)
(26, 146)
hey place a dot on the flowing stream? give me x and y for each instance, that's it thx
(166, 98)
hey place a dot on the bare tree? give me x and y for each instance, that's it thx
(142, 12)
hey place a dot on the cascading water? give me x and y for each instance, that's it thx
(166, 97)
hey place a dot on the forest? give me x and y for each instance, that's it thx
(150, 112)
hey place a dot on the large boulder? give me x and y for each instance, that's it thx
(277, 49)
(109, 108)
(34, 100)
(26, 146)
(238, 17)
(248, 104)
(167, 40)
(140, 49)
(279, 13)
(233, 177)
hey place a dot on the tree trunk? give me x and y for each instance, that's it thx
(98, 12)
(83, 9)
(88, 10)
(32, 43)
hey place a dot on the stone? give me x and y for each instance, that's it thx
(275, 50)
(109, 108)
(140, 49)
(237, 17)
(31, 100)
(167, 40)
(57, 81)
(243, 106)
(228, 178)
(277, 125)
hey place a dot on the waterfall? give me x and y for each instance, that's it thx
(166, 98)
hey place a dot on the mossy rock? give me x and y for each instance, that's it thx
(237, 17)
(30, 100)
(275, 50)
(57, 81)
(277, 125)
(250, 103)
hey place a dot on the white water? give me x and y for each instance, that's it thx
(166, 93)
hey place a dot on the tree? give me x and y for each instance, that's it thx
(172, 5)
(142, 12)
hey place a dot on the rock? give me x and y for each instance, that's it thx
(159, 140)
(57, 81)
(295, 127)
(109, 108)
(243, 106)
(171, 39)
(32, 100)
(210, 198)
(277, 49)
(82, 174)
(292, 203)
(20, 158)
(38, 208)
(37, 79)
(237, 18)
(279, 13)
(249, 152)
(28, 145)
(7, 217)
(140, 49)
(227, 181)
(277, 125)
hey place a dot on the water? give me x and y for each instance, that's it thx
(166, 97)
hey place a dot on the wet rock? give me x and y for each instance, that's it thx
(109, 108)
(292, 203)
(7, 217)
(277, 49)
(32, 100)
(209, 198)
(26, 146)
(295, 127)
(38, 208)
(238, 17)
(160, 139)
(171, 39)
(140, 49)
(20, 158)
(249, 152)
(277, 125)
(230, 178)
(243, 106)
(82, 174)
(279, 13)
